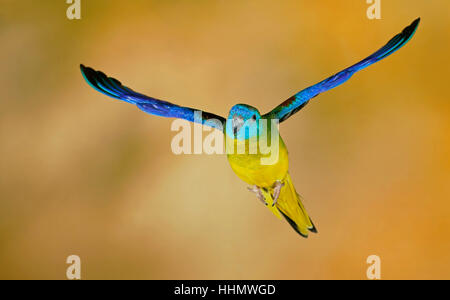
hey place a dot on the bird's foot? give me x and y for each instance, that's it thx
(255, 189)
(276, 191)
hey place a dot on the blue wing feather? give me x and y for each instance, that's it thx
(113, 88)
(299, 100)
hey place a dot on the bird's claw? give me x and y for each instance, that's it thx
(255, 189)
(276, 191)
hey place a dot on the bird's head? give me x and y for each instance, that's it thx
(242, 122)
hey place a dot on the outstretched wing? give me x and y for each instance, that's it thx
(113, 88)
(299, 100)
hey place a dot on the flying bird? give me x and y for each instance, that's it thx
(271, 182)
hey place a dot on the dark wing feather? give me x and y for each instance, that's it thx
(299, 100)
(113, 88)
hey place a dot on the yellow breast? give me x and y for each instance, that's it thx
(260, 168)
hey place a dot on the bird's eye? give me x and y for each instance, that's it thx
(254, 117)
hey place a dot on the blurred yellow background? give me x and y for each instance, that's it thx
(82, 174)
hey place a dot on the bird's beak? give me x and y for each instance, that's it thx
(237, 123)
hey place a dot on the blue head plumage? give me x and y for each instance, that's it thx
(243, 122)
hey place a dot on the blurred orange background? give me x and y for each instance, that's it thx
(86, 175)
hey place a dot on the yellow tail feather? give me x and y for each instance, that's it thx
(292, 209)
(269, 200)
